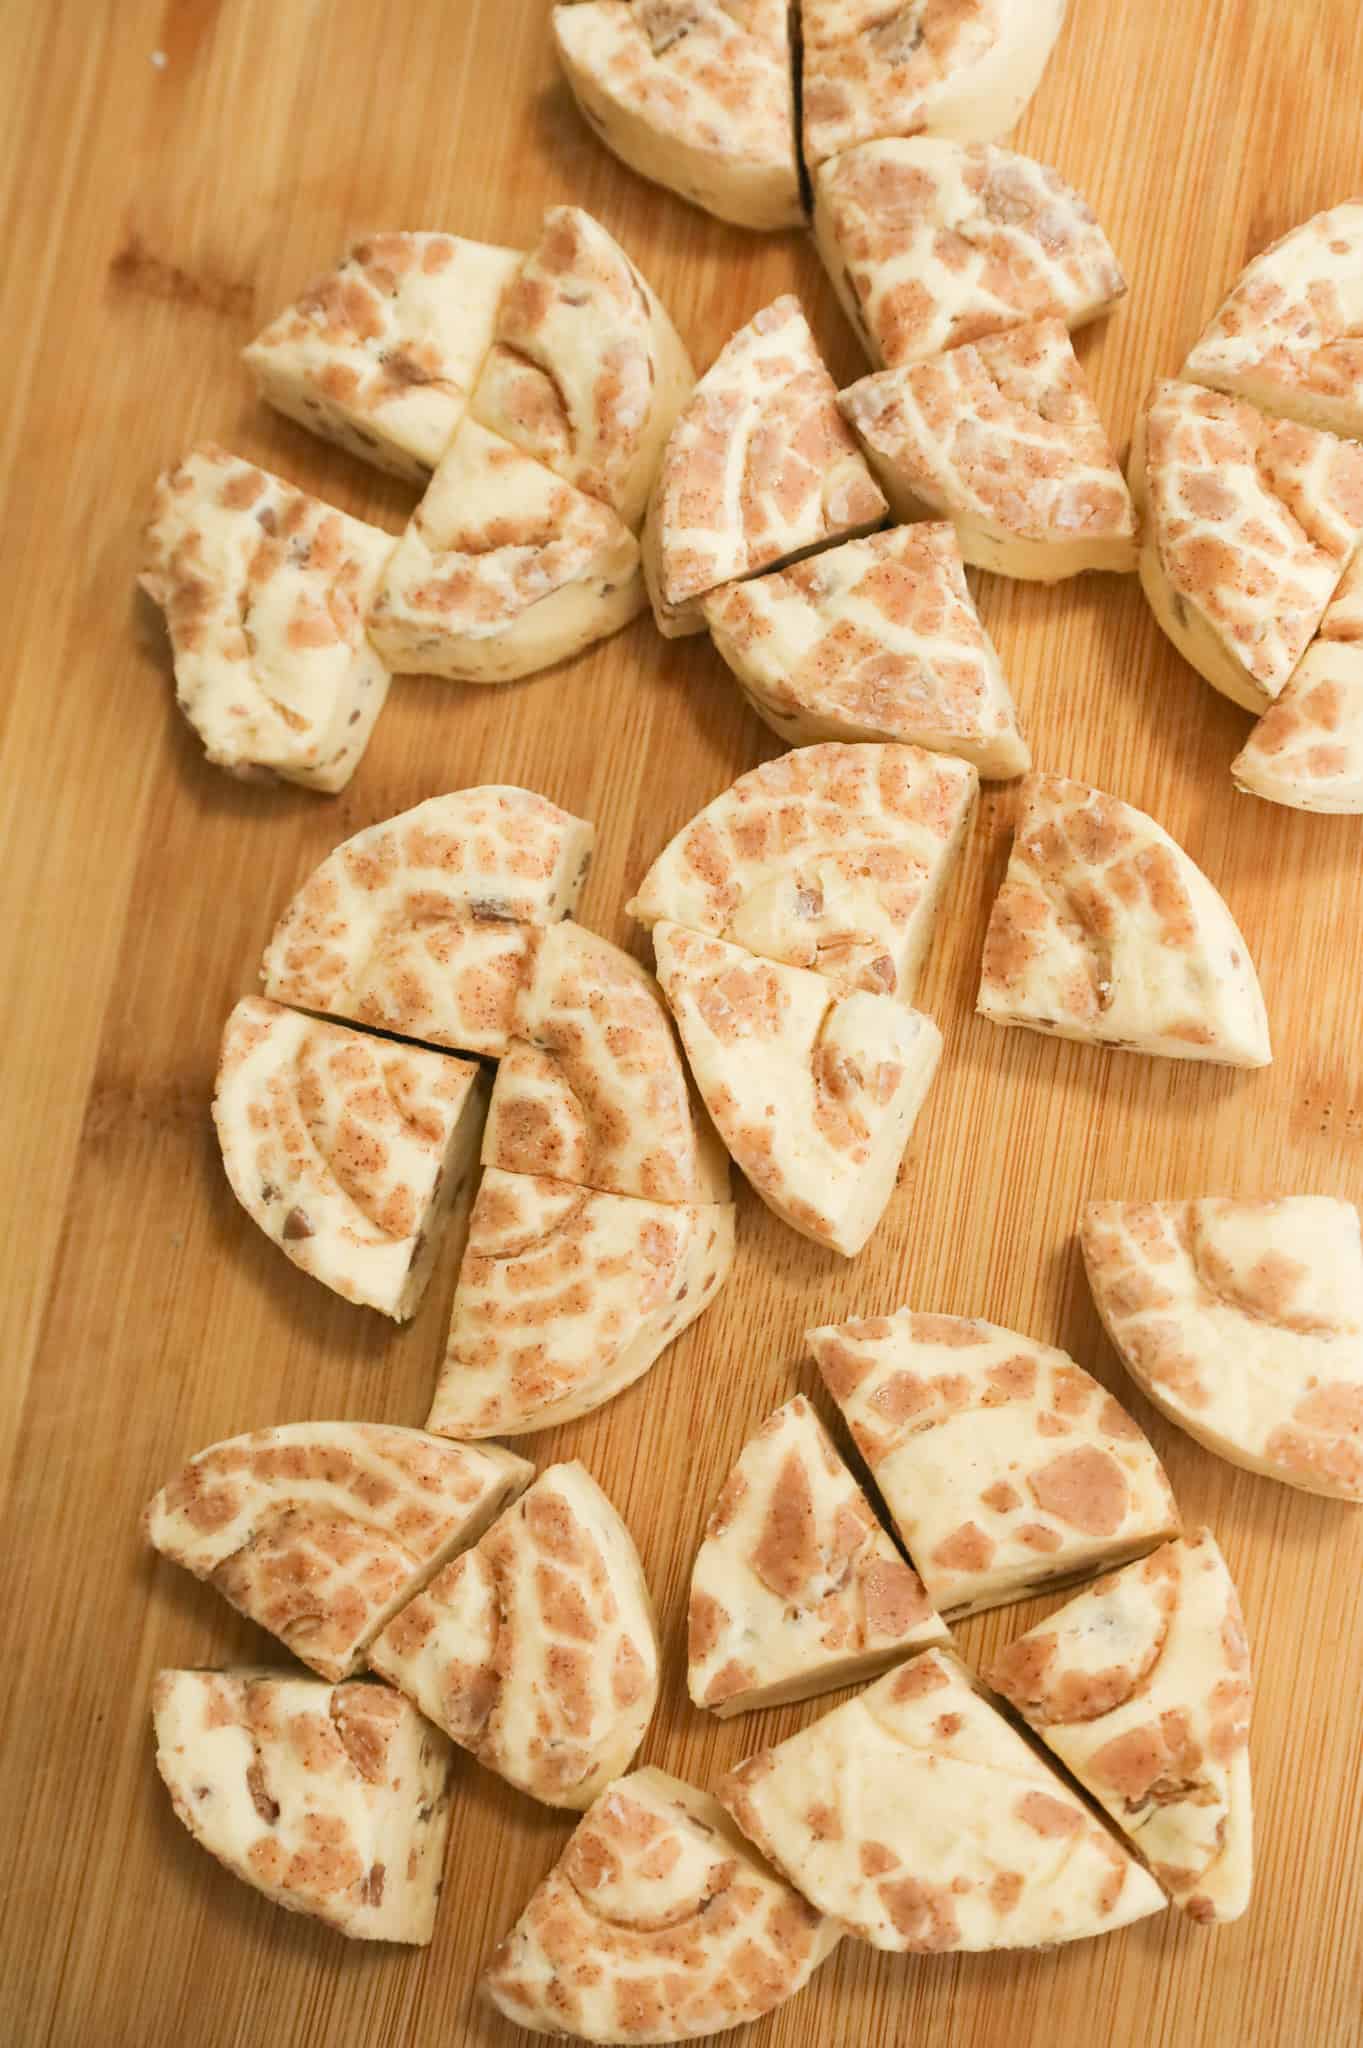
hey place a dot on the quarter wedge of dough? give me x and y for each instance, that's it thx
(566, 1297)
(348, 1151)
(918, 1818)
(814, 1093)
(878, 639)
(320, 1531)
(1007, 1468)
(1307, 749)
(1141, 1686)
(537, 1650)
(833, 858)
(658, 1923)
(382, 353)
(930, 244)
(332, 1800)
(1003, 438)
(796, 1588)
(265, 592)
(1106, 932)
(1243, 1322)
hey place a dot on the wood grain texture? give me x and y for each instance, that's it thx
(156, 216)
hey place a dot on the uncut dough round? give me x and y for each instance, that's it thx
(1243, 1322)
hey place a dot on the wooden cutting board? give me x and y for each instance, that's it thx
(174, 171)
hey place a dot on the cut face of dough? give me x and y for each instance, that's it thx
(1243, 1323)
(760, 468)
(961, 68)
(930, 244)
(319, 1531)
(815, 1094)
(658, 1923)
(1003, 438)
(1248, 524)
(1005, 1466)
(417, 925)
(1307, 749)
(878, 639)
(265, 592)
(1106, 932)
(348, 1151)
(332, 1800)
(1290, 336)
(696, 94)
(587, 373)
(916, 1816)
(537, 1650)
(1141, 1686)
(796, 1587)
(566, 1297)
(833, 859)
(504, 569)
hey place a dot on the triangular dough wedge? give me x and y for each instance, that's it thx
(418, 924)
(537, 1651)
(320, 1531)
(1106, 932)
(699, 97)
(1290, 336)
(566, 1297)
(878, 639)
(815, 1094)
(917, 1817)
(1307, 749)
(349, 1152)
(1243, 1323)
(331, 1800)
(1005, 1465)
(930, 244)
(796, 1588)
(1141, 1686)
(587, 372)
(1003, 438)
(266, 592)
(1248, 524)
(382, 353)
(833, 858)
(657, 1923)
(760, 468)
(505, 569)
(593, 1089)
(961, 68)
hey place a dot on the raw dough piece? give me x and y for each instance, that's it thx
(1307, 749)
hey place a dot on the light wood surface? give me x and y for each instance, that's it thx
(157, 213)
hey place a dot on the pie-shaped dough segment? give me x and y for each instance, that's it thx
(348, 1151)
(566, 1297)
(1141, 1686)
(815, 1094)
(319, 1531)
(265, 592)
(1105, 931)
(878, 639)
(922, 1821)
(657, 1923)
(833, 858)
(696, 94)
(760, 468)
(537, 1650)
(1248, 524)
(1005, 1465)
(418, 925)
(1243, 1322)
(1307, 749)
(796, 1588)
(382, 353)
(930, 244)
(1003, 438)
(332, 1800)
